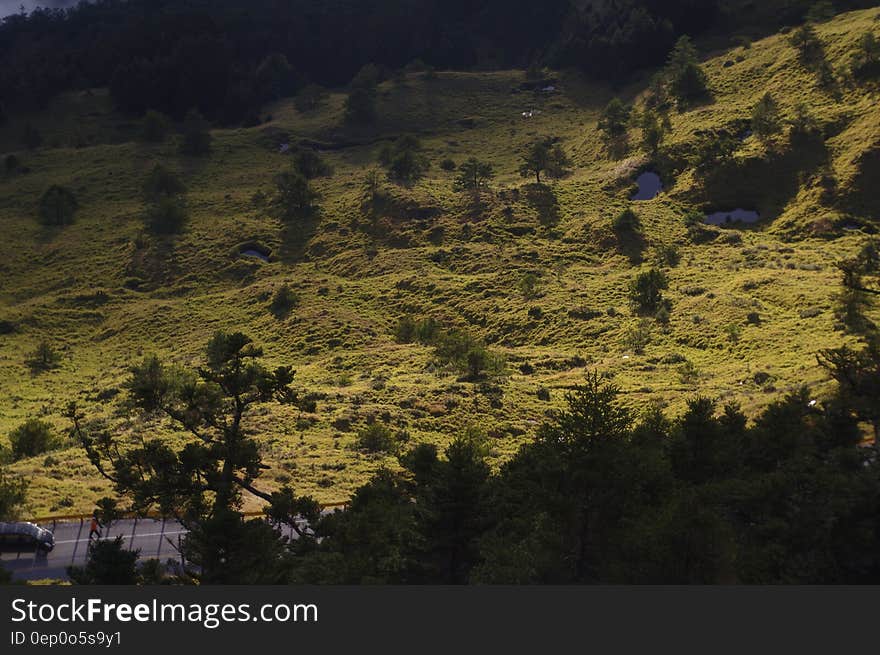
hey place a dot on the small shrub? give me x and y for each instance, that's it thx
(638, 337)
(667, 254)
(673, 358)
(294, 196)
(646, 291)
(411, 331)
(615, 119)
(543, 394)
(448, 165)
(360, 105)
(377, 438)
(283, 302)
(404, 160)
(662, 315)
(466, 354)
(766, 121)
(473, 175)
(694, 218)
(688, 373)
(310, 165)
(733, 332)
(43, 358)
(528, 285)
(58, 206)
(31, 438)
(687, 80)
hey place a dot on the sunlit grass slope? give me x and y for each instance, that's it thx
(106, 293)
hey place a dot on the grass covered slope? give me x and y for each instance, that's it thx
(537, 274)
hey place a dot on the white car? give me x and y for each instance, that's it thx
(25, 536)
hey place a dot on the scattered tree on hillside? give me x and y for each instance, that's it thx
(283, 301)
(804, 126)
(371, 185)
(806, 41)
(31, 438)
(766, 120)
(614, 119)
(310, 164)
(43, 358)
(360, 106)
(58, 206)
(861, 285)
(866, 61)
(466, 354)
(646, 291)
(166, 211)
(544, 157)
(404, 160)
(473, 175)
(295, 196)
(13, 495)
(687, 80)
(201, 480)
(857, 373)
(654, 127)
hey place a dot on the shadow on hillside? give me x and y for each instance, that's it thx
(862, 199)
(632, 245)
(543, 200)
(296, 233)
(618, 148)
(767, 183)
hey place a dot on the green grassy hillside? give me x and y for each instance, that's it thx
(106, 293)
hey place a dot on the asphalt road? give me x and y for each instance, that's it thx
(155, 539)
